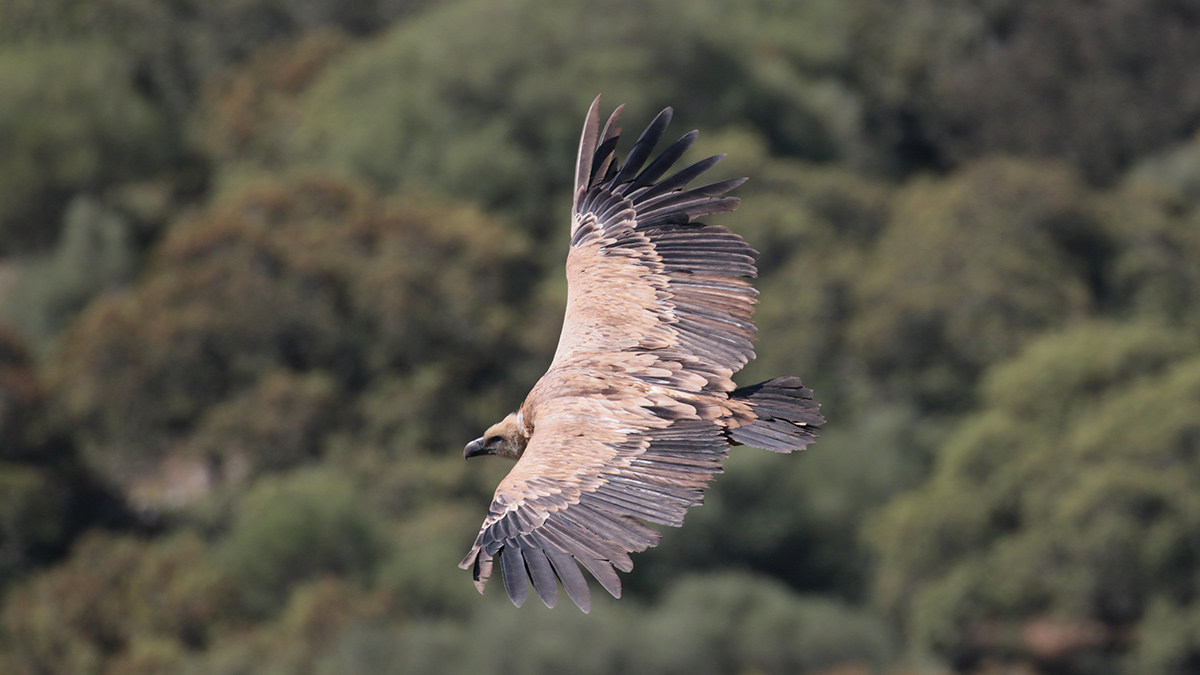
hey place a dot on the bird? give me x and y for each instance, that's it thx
(638, 407)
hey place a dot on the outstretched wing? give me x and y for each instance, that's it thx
(630, 421)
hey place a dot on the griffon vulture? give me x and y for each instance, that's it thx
(638, 407)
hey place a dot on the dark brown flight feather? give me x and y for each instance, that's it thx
(638, 408)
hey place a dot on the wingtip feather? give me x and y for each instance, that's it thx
(481, 571)
(587, 146)
(540, 571)
(573, 581)
(512, 567)
(611, 131)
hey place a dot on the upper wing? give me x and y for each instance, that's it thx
(641, 274)
(630, 420)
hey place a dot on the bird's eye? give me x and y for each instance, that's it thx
(491, 440)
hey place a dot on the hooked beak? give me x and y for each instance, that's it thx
(474, 449)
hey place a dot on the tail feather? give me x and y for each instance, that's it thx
(787, 417)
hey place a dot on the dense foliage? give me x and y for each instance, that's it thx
(266, 266)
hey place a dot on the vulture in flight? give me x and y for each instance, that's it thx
(639, 407)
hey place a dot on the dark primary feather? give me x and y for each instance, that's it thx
(664, 162)
(572, 579)
(587, 143)
(513, 565)
(643, 147)
(608, 139)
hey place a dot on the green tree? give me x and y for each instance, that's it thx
(95, 251)
(1154, 267)
(969, 269)
(176, 46)
(71, 120)
(717, 623)
(289, 299)
(483, 100)
(46, 498)
(1095, 83)
(291, 529)
(1060, 521)
(119, 605)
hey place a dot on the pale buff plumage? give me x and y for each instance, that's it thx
(638, 407)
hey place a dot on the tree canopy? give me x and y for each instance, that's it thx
(267, 265)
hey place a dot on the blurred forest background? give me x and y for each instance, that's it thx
(267, 265)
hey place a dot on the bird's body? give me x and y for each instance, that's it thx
(638, 407)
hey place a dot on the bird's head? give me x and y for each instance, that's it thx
(506, 438)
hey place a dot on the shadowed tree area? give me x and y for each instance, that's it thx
(266, 267)
(1098, 84)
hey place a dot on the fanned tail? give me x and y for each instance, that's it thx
(787, 417)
